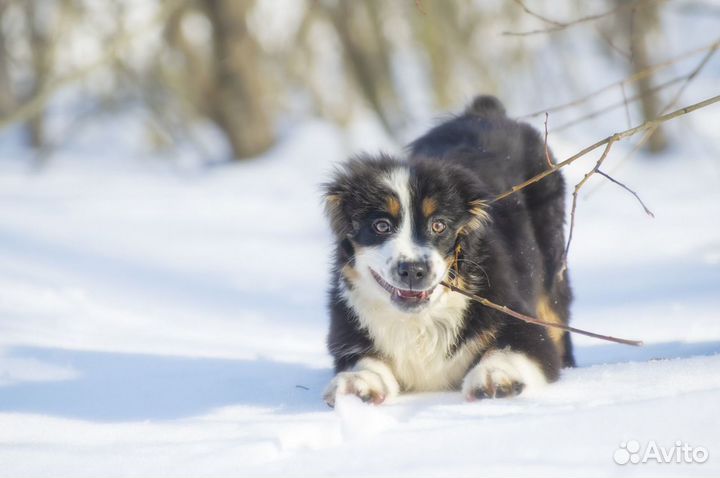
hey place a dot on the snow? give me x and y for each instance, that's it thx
(166, 321)
(167, 318)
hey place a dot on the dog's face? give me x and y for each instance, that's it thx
(399, 223)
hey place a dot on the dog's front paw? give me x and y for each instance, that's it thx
(502, 373)
(366, 384)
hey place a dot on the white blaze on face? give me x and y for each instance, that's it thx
(399, 247)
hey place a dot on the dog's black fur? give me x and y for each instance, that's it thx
(513, 256)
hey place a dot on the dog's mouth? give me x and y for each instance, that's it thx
(404, 297)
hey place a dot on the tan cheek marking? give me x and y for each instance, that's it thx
(429, 206)
(350, 273)
(546, 313)
(393, 206)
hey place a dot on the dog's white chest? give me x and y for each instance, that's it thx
(419, 357)
(417, 346)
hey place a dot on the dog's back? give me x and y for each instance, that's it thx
(505, 153)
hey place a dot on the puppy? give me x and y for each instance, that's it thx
(403, 225)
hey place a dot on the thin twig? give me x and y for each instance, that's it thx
(558, 26)
(608, 142)
(538, 16)
(626, 188)
(578, 186)
(627, 106)
(608, 41)
(624, 82)
(547, 152)
(670, 104)
(614, 137)
(618, 104)
(531, 320)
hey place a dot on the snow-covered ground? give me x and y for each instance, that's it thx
(161, 318)
(158, 320)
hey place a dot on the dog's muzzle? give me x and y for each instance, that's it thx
(405, 298)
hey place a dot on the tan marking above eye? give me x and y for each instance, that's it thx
(429, 206)
(393, 206)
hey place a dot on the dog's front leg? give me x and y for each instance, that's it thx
(502, 373)
(371, 379)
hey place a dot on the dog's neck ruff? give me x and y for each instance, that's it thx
(417, 345)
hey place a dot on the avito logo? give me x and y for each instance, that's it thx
(631, 452)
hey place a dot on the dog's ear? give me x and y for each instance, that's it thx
(334, 212)
(479, 210)
(334, 198)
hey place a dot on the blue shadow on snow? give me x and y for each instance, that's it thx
(121, 387)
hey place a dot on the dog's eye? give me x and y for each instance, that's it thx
(382, 226)
(438, 226)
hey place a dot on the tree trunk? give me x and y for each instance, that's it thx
(6, 90)
(367, 55)
(238, 97)
(641, 20)
(41, 63)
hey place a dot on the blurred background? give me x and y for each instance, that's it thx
(164, 258)
(244, 72)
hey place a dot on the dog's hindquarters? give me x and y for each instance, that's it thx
(545, 201)
(484, 127)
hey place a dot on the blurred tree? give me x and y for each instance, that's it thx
(41, 50)
(218, 61)
(367, 54)
(237, 95)
(638, 24)
(225, 82)
(6, 89)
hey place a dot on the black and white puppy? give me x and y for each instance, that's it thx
(404, 225)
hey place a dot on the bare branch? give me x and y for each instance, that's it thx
(627, 81)
(618, 104)
(547, 152)
(538, 16)
(559, 26)
(627, 106)
(608, 41)
(607, 176)
(690, 77)
(578, 186)
(531, 320)
(614, 137)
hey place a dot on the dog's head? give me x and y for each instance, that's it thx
(398, 225)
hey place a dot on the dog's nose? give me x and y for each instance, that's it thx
(412, 272)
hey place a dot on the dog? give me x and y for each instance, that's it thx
(402, 226)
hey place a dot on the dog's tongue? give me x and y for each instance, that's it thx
(409, 294)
